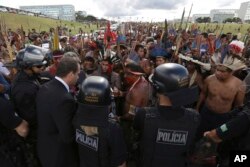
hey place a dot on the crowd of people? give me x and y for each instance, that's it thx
(140, 95)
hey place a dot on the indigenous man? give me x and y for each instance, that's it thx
(221, 93)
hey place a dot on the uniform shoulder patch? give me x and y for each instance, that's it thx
(87, 141)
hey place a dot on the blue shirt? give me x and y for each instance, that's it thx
(5, 84)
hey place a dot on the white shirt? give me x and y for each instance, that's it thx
(62, 81)
(4, 70)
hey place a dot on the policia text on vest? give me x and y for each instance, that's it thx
(88, 141)
(172, 137)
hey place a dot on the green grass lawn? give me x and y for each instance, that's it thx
(228, 27)
(221, 28)
(14, 21)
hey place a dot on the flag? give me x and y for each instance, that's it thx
(56, 40)
(109, 37)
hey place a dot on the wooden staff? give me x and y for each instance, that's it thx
(199, 43)
(164, 35)
(5, 36)
(216, 27)
(179, 39)
(222, 29)
(188, 17)
(39, 30)
(182, 18)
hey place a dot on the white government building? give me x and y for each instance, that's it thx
(63, 12)
(219, 15)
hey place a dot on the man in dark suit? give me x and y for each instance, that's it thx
(56, 108)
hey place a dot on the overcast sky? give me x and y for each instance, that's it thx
(156, 10)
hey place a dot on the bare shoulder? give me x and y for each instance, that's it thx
(237, 81)
(210, 78)
(142, 87)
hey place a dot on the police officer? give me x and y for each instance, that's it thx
(236, 127)
(30, 61)
(167, 130)
(10, 150)
(100, 141)
(235, 132)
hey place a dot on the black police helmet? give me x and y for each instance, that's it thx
(32, 56)
(95, 90)
(169, 77)
(19, 58)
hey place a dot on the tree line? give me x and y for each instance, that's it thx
(227, 20)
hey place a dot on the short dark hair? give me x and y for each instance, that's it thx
(106, 60)
(64, 40)
(223, 36)
(138, 46)
(90, 59)
(134, 67)
(204, 34)
(67, 65)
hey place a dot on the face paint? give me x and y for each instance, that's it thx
(129, 80)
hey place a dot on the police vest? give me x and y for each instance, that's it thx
(166, 142)
(23, 78)
(93, 150)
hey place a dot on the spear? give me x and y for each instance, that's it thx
(4, 33)
(22, 35)
(182, 18)
(164, 35)
(245, 39)
(216, 27)
(188, 17)
(204, 28)
(222, 29)
(28, 22)
(178, 39)
(39, 30)
(1, 22)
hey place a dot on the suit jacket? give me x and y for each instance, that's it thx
(55, 109)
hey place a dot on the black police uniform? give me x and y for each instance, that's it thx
(167, 135)
(11, 154)
(107, 147)
(25, 86)
(168, 130)
(7, 114)
(235, 135)
(23, 94)
(238, 130)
